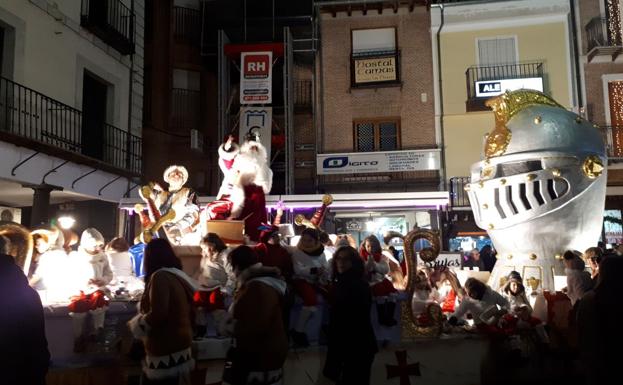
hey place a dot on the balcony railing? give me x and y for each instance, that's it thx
(185, 108)
(187, 25)
(30, 115)
(458, 195)
(601, 33)
(613, 136)
(111, 21)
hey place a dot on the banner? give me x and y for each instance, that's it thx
(256, 78)
(372, 162)
(257, 120)
(375, 70)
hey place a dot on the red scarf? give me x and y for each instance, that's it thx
(364, 255)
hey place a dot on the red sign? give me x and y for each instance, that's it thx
(256, 66)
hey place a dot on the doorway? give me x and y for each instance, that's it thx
(94, 101)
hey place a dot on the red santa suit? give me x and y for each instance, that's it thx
(377, 269)
(274, 255)
(248, 178)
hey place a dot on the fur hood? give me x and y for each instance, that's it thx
(266, 274)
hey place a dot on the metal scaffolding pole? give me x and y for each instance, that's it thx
(223, 91)
(288, 101)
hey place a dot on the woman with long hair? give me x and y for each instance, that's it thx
(352, 343)
(216, 280)
(165, 319)
(377, 268)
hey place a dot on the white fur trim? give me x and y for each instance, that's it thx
(169, 169)
(228, 155)
(91, 238)
(158, 374)
(236, 196)
(138, 326)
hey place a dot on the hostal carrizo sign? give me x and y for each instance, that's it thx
(375, 70)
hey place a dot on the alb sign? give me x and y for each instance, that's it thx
(489, 88)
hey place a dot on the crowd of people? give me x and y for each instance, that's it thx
(248, 293)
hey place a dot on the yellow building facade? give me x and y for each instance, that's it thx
(483, 49)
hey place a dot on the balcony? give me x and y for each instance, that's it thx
(185, 109)
(187, 26)
(499, 78)
(34, 120)
(602, 38)
(458, 195)
(613, 136)
(111, 21)
(375, 69)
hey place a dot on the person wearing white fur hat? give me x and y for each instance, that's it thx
(92, 272)
(183, 200)
(52, 264)
(247, 180)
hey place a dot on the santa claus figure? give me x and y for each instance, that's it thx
(247, 180)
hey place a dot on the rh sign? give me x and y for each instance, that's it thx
(256, 78)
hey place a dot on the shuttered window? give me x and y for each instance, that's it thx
(377, 135)
(497, 50)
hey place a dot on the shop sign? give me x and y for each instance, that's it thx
(485, 89)
(451, 260)
(375, 70)
(256, 77)
(373, 162)
(353, 226)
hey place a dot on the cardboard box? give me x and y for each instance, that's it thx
(231, 232)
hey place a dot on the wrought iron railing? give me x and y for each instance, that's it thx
(187, 25)
(110, 20)
(613, 136)
(600, 33)
(31, 115)
(500, 72)
(458, 195)
(185, 108)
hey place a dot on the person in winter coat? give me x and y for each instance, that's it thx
(310, 278)
(593, 257)
(53, 265)
(377, 268)
(480, 298)
(91, 275)
(599, 317)
(24, 355)
(164, 323)
(260, 342)
(578, 280)
(217, 281)
(119, 259)
(270, 252)
(515, 292)
(352, 343)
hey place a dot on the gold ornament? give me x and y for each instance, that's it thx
(578, 120)
(592, 166)
(504, 108)
(467, 187)
(538, 120)
(491, 227)
(502, 181)
(556, 172)
(533, 256)
(485, 206)
(558, 257)
(530, 177)
(481, 184)
(487, 172)
(533, 283)
(509, 256)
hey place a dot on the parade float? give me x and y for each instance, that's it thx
(538, 191)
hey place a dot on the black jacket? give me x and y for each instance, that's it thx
(351, 336)
(24, 356)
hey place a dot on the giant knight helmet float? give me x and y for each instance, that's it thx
(540, 188)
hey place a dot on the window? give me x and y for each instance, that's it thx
(497, 50)
(374, 40)
(377, 135)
